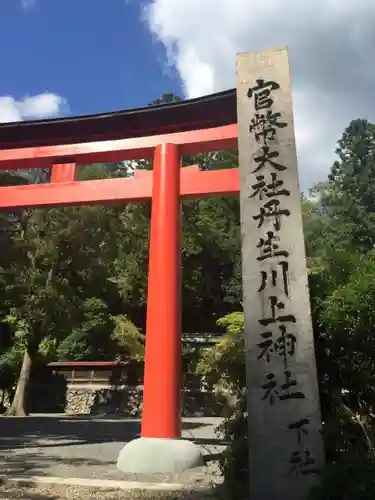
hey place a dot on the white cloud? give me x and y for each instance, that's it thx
(46, 105)
(331, 45)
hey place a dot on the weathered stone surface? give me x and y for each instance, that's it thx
(79, 401)
(285, 442)
(104, 400)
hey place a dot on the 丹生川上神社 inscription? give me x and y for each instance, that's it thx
(286, 447)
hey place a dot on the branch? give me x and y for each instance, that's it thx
(356, 419)
(49, 275)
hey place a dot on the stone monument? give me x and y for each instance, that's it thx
(285, 442)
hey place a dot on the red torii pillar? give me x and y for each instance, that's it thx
(162, 372)
(159, 449)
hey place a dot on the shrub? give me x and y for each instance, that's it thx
(223, 367)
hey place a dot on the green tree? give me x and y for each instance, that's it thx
(349, 195)
(166, 98)
(62, 283)
(37, 299)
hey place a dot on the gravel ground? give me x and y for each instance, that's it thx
(87, 447)
(72, 493)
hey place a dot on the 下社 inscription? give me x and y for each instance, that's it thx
(286, 450)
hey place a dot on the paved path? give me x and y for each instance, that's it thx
(87, 447)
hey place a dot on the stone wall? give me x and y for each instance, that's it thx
(127, 401)
(93, 400)
(108, 388)
(98, 399)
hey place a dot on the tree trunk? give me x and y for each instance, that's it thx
(18, 406)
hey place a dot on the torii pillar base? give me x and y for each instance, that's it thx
(159, 456)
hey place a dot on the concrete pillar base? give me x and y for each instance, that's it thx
(157, 455)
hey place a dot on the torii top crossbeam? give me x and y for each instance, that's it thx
(197, 125)
(164, 133)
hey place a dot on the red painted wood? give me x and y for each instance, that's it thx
(210, 183)
(110, 191)
(161, 415)
(191, 142)
(64, 172)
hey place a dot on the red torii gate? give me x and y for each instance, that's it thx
(187, 128)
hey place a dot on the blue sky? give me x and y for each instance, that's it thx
(98, 55)
(92, 56)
